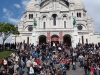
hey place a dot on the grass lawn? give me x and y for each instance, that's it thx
(5, 53)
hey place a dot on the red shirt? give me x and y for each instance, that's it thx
(37, 60)
(55, 56)
(67, 60)
(91, 69)
(62, 62)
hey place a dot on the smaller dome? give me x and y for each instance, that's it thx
(79, 4)
(31, 5)
(71, 1)
(37, 2)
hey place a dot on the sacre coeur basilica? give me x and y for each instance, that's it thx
(51, 21)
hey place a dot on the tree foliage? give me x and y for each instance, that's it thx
(6, 29)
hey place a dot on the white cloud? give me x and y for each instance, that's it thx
(4, 10)
(24, 2)
(17, 5)
(8, 16)
(13, 20)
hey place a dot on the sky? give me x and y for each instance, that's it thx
(12, 10)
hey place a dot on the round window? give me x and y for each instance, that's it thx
(30, 28)
(80, 27)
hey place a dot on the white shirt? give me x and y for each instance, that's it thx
(5, 62)
(16, 58)
(34, 63)
(80, 56)
(31, 70)
(28, 63)
(74, 54)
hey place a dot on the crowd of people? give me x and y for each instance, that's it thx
(52, 60)
(8, 46)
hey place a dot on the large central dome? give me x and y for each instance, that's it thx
(45, 2)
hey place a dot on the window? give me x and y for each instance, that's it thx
(27, 40)
(30, 28)
(72, 14)
(43, 25)
(30, 16)
(64, 24)
(82, 39)
(54, 19)
(78, 14)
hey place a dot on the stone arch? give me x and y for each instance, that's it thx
(82, 25)
(26, 27)
(54, 16)
(54, 39)
(67, 40)
(42, 39)
(64, 15)
(44, 15)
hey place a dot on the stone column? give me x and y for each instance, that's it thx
(60, 35)
(75, 37)
(48, 37)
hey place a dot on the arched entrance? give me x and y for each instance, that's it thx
(54, 40)
(42, 39)
(67, 40)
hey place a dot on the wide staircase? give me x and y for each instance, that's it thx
(78, 71)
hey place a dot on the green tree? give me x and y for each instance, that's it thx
(6, 29)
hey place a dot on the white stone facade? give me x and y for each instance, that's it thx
(61, 12)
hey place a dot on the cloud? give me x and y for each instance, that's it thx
(17, 5)
(4, 10)
(13, 20)
(8, 16)
(24, 2)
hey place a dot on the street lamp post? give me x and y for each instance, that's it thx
(15, 36)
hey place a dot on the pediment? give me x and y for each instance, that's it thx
(50, 6)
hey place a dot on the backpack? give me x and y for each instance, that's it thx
(63, 71)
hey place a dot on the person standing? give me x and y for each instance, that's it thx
(81, 60)
(91, 69)
(97, 70)
(73, 63)
(31, 72)
(64, 71)
(28, 64)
